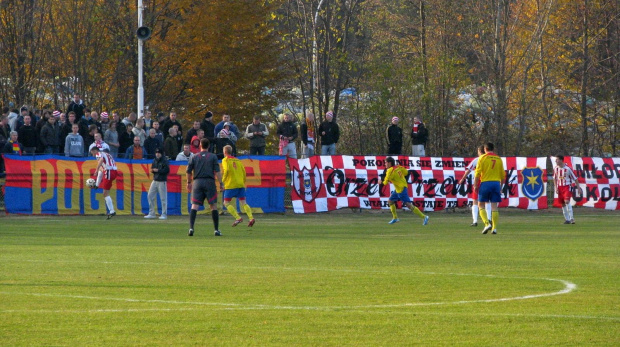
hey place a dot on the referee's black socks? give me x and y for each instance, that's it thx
(215, 214)
(192, 218)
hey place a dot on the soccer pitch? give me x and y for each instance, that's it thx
(324, 279)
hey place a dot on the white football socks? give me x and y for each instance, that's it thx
(99, 177)
(108, 203)
(474, 212)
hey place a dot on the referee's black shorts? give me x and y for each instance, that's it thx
(204, 188)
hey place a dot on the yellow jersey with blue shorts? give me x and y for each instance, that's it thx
(490, 172)
(397, 176)
(233, 177)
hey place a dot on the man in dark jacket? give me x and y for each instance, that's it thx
(209, 128)
(419, 136)
(50, 137)
(394, 137)
(152, 143)
(330, 133)
(160, 170)
(28, 136)
(77, 106)
(169, 123)
(287, 132)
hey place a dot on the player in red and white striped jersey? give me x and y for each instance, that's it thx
(564, 180)
(107, 167)
(474, 207)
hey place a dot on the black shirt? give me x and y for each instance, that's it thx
(204, 165)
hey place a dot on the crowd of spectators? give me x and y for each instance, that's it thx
(74, 132)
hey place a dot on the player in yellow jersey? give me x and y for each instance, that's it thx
(233, 177)
(396, 174)
(490, 174)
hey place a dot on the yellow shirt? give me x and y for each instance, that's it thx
(396, 175)
(490, 168)
(233, 173)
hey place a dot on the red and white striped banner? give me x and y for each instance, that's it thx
(326, 183)
(599, 179)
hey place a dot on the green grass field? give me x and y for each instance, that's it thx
(324, 279)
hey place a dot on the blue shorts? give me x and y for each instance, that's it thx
(490, 191)
(402, 196)
(238, 193)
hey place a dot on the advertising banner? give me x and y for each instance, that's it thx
(49, 184)
(599, 180)
(326, 183)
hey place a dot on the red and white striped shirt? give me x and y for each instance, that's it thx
(108, 161)
(563, 176)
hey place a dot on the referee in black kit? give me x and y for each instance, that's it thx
(202, 184)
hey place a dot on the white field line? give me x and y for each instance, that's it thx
(568, 287)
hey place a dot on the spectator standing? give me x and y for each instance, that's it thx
(192, 132)
(179, 137)
(13, 116)
(419, 136)
(99, 143)
(160, 170)
(308, 135)
(220, 126)
(226, 137)
(74, 143)
(152, 143)
(131, 119)
(394, 137)
(104, 121)
(169, 123)
(125, 140)
(256, 133)
(19, 121)
(111, 138)
(330, 134)
(194, 145)
(89, 139)
(136, 151)
(209, 128)
(38, 127)
(13, 146)
(171, 148)
(287, 132)
(94, 119)
(28, 136)
(50, 136)
(158, 133)
(120, 126)
(139, 132)
(148, 121)
(5, 130)
(77, 106)
(186, 155)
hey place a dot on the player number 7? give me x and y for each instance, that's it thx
(493, 167)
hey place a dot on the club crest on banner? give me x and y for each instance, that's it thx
(307, 183)
(532, 186)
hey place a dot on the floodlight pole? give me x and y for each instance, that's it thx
(140, 69)
(315, 68)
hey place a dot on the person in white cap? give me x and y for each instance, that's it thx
(394, 136)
